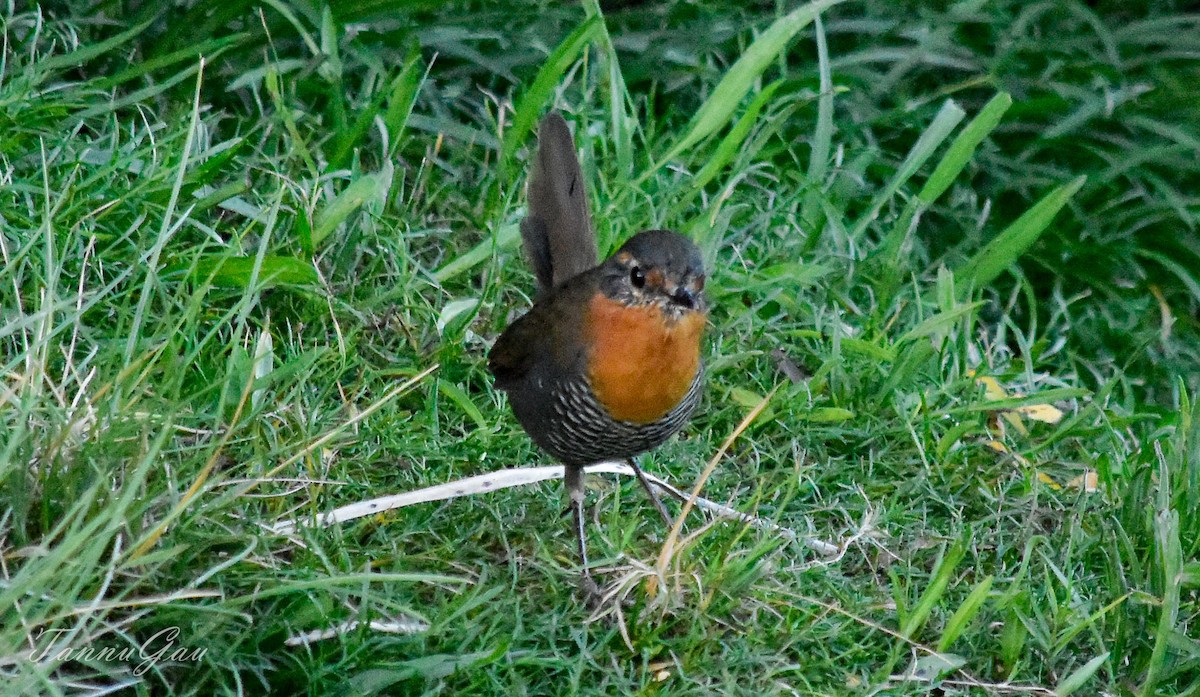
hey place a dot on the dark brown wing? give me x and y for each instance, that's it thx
(557, 233)
(546, 340)
(515, 352)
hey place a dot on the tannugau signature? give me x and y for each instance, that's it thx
(160, 647)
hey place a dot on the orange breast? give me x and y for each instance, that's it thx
(641, 365)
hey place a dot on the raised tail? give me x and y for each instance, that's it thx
(557, 233)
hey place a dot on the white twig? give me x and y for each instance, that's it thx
(520, 476)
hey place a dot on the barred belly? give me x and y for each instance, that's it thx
(581, 431)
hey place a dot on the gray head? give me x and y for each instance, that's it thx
(657, 267)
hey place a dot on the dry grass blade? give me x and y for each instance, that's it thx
(311, 447)
(668, 548)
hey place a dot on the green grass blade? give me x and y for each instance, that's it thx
(1170, 558)
(716, 111)
(728, 148)
(463, 400)
(366, 188)
(533, 100)
(1049, 396)
(1188, 278)
(822, 140)
(1003, 251)
(208, 49)
(239, 272)
(140, 96)
(621, 121)
(506, 237)
(964, 614)
(169, 225)
(939, 322)
(87, 53)
(274, 87)
(937, 131)
(403, 97)
(1080, 676)
(937, 587)
(962, 148)
(890, 253)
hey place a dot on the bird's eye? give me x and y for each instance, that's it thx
(636, 277)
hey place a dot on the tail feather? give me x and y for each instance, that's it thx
(557, 233)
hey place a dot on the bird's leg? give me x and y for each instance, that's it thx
(573, 477)
(662, 510)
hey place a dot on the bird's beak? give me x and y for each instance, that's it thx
(684, 296)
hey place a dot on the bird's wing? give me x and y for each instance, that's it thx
(516, 350)
(548, 335)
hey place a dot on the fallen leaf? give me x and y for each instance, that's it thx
(659, 670)
(1045, 479)
(992, 389)
(1088, 481)
(788, 367)
(996, 446)
(1046, 413)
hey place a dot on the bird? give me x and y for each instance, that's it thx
(607, 363)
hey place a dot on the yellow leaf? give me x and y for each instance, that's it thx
(1045, 479)
(1015, 421)
(992, 389)
(1164, 311)
(1046, 413)
(997, 446)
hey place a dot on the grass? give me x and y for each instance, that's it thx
(262, 285)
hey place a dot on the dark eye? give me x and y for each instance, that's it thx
(636, 277)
